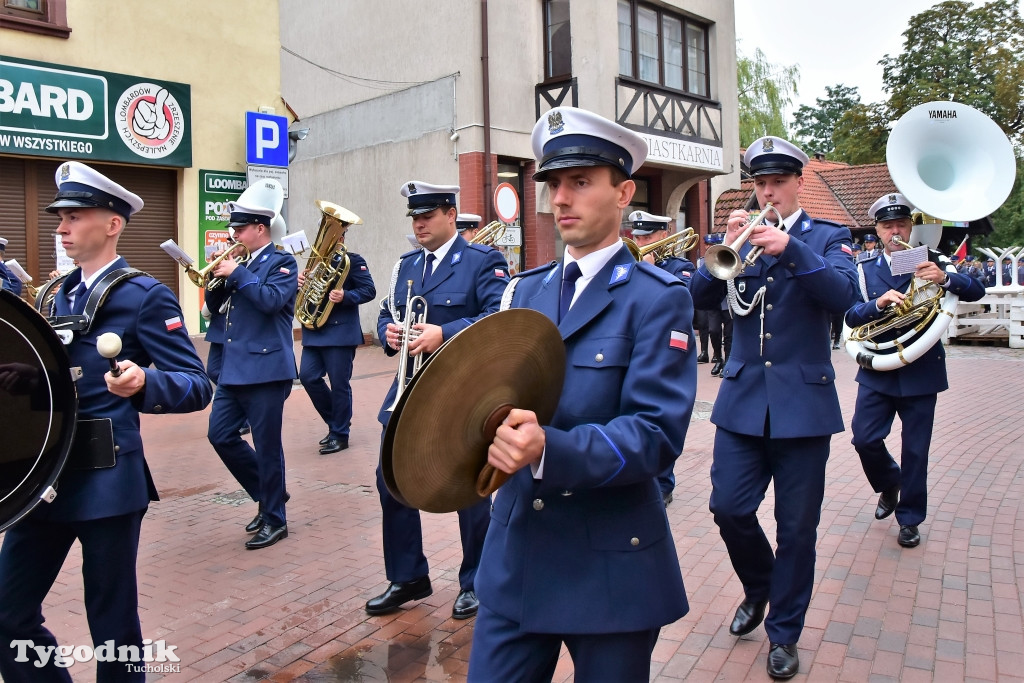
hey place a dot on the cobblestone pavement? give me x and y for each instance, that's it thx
(948, 610)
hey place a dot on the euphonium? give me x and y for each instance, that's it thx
(723, 260)
(674, 245)
(327, 268)
(489, 234)
(415, 313)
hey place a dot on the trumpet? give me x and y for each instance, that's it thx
(204, 277)
(489, 234)
(415, 313)
(723, 260)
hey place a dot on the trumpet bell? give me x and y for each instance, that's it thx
(723, 262)
(951, 161)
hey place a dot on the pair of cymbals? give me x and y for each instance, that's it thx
(434, 451)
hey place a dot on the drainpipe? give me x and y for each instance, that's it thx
(485, 63)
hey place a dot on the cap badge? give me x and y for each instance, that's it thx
(412, 188)
(768, 145)
(555, 123)
(65, 172)
(893, 199)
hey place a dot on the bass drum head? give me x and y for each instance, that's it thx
(38, 406)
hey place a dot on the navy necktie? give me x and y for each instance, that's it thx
(81, 295)
(428, 270)
(569, 277)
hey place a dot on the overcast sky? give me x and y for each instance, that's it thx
(831, 42)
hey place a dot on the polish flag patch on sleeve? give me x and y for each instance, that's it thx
(362, 267)
(173, 323)
(679, 340)
(846, 249)
(498, 272)
(284, 271)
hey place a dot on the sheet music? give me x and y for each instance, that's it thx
(295, 242)
(176, 253)
(65, 264)
(907, 260)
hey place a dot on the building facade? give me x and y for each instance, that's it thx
(448, 93)
(152, 94)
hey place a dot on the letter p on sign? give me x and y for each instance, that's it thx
(266, 139)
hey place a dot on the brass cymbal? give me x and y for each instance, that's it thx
(434, 451)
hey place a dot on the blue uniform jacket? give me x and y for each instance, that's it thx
(680, 267)
(587, 548)
(251, 341)
(463, 288)
(145, 314)
(342, 326)
(9, 281)
(808, 282)
(926, 375)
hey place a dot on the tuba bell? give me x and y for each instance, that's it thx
(327, 268)
(952, 162)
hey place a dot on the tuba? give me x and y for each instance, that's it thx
(327, 268)
(953, 162)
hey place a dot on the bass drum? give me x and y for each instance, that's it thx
(38, 406)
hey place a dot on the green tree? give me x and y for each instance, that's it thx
(860, 134)
(765, 91)
(813, 126)
(955, 51)
(1008, 221)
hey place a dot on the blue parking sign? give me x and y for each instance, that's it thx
(266, 139)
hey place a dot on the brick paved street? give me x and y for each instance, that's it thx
(948, 610)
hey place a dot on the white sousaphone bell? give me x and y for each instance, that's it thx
(954, 163)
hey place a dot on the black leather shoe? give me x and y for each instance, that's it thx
(244, 429)
(267, 536)
(835, 345)
(716, 369)
(323, 441)
(334, 445)
(398, 594)
(465, 605)
(702, 358)
(783, 662)
(748, 616)
(254, 526)
(909, 536)
(887, 502)
(666, 498)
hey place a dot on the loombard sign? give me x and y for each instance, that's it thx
(60, 111)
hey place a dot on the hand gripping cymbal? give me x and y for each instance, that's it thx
(434, 452)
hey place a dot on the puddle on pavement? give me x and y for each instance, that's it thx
(406, 657)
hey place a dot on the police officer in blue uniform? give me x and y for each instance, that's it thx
(461, 283)
(579, 550)
(870, 251)
(331, 349)
(648, 229)
(467, 225)
(909, 391)
(988, 273)
(252, 358)
(106, 486)
(777, 407)
(8, 280)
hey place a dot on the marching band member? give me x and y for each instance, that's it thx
(461, 283)
(8, 280)
(579, 549)
(252, 358)
(909, 391)
(105, 489)
(648, 229)
(331, 350)
(467, 225)
(777, 407)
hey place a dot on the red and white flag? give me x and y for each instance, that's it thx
(285, 271)
(846, 249)
(498, 272)
(961, 251)
(173, 323)
(679, 340)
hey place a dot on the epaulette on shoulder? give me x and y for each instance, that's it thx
(545, 269)
(657, 273)
(482, 248)
(831, 224)
(410, 253)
